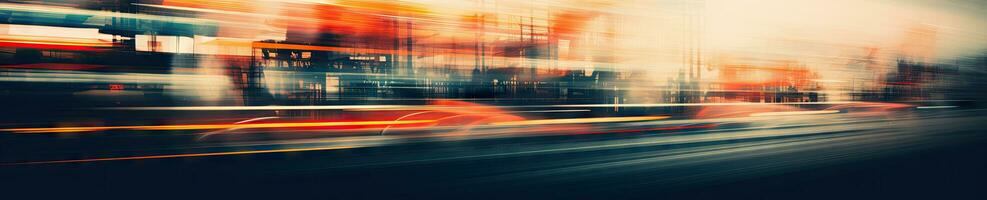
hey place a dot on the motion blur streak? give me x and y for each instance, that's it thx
(934, 107)
(400, 107)
(501, 99)
(794, 113)
(234, 108)
(580, 120)
(182, 155)
(215, 126)
(704, 104)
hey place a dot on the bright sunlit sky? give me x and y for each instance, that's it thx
(851, 22)
(819, 33)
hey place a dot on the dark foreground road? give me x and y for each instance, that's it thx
(913, 155)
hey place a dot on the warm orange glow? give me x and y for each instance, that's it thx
(794, 113)
(55, 41)
(580, 120)
(266, 45)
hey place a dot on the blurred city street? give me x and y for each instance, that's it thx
(493, 99)
(815, 154)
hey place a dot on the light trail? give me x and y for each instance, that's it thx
(213, 126)
(818, 112)
(410, 107)
(579, 120)
(234, 108)
(697, 104)
(551, 111)
(935, 107)
(183, 155)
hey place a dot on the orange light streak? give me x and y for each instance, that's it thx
(580, 120)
